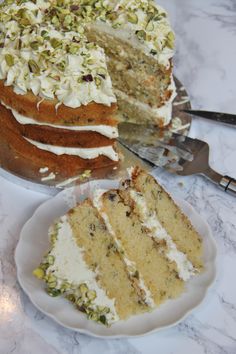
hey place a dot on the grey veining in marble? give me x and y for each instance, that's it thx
(205, 63)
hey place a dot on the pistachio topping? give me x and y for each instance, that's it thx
(44, 48)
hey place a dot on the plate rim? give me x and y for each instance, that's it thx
(181, 203)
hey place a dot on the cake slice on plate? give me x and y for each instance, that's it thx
(123, 252)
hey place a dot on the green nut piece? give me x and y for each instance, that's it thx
(34, 45)
(83, 288)
(91, 294)
(141, 34)
(101, 71)
(51, 278)
(55, 43)
(50, 259)
(39, 273)
(170, 40)
(150, 26)
(33, 66)
(71, 297)
(132, 18)
(9, 59)
(52, 285)
(53, 292)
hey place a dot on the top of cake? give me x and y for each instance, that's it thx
(44, 48)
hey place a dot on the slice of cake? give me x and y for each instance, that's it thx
(123, 252)
(65, 67)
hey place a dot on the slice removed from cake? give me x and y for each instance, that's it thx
(122, 252)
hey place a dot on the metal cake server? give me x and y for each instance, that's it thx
(177, 153)
(226, 118)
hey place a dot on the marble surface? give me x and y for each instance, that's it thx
(205, 63)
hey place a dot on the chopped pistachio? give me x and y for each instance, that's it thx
(65, 286)
(67, 20)
(9, 59)
(150, 26)
(55, 43)
(50, 259)
(39, 273)
(141, 34)
(34, 45)
(33, 66)
(98, 81)
(170, 40)
(103, 319)
(52, 285)
(51, 278)
(91, 294)
(71, 297)
(83, 288)
(53, 292)
(132, 17)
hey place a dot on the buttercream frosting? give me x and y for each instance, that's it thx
(84, 153)
(184, 266)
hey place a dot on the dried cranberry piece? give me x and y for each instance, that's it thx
(87, 78)
(74, 7)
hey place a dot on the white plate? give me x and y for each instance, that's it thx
(34, 243)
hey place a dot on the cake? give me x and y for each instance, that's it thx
(70, 71)
(122, 252)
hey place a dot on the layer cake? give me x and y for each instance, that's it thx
(122, 252)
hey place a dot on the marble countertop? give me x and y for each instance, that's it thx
(205, 63)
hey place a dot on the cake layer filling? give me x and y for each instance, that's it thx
(184, 266)
(89, 153)
(131, 266)
(106, 130)
(68, 259)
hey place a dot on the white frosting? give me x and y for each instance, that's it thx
(49, 177)
(131, 266)
(84, 153)
(184, 266)
(106, 130)
(43, 169)
(70, 266)
(164, 112)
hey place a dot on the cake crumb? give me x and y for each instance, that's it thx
(181, 184)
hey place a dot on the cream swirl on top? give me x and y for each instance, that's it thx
(43, 45)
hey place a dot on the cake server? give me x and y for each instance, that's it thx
(226, 118)
(177, 153)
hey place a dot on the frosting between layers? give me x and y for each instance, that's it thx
(184, 266)
(88, 153)
(69, 266)
(106, 130)
(131, 266)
